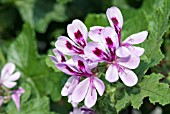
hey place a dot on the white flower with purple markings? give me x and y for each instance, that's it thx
(8, 77)
(106, 47)
(7, 81)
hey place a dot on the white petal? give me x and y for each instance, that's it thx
(66, 46)
(128, 77)
(77, 31)
(9, 84)
(69, 86)
(81, 64)
(130, 62)
(95, 51)
(137, 38)
(91, 98)
(73, 85)
(64, 91)
(59, 55)
(66, 68)
(112, 74)
(109, 37)
(14, 77)
(99, 85)
(136, 50)
(92, 64)
(122, 51)
(95, 32)
(81, 90)
(7, 70)
(115, 17)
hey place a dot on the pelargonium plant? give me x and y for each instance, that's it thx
(81, 59)
(8, 80)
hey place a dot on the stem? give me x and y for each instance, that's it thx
(35, 88)
(2, 58)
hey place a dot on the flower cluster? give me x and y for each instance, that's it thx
(106, 47)
(7, 82)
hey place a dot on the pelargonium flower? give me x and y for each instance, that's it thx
(8, 77)
(96, 51)
(78, 68)
(126, 48)
(16, 94)
(87, 90)
(7, 81)
(72, 87)
(78, 34)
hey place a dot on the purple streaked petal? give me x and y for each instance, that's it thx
(94, 33)
(96, 51)
(7, 70)
(9, 84)
(53, 58)
(122, 51)
(59, 56)
(1, 101)
(130, 62)
(66, 69)
(112, 74)
(16, 97)
(115, 17)
(136, 38)
(81, 64)
(109, 37)
(66, 46)
(99, 85)
(128, 77)
(81, 90)
(14, 76)
(91, 97)
(77, 31)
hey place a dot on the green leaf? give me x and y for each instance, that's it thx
(43, 80)
(149, 87)
(96, 20)
(33, 106)
(6, 22)
(27, 93)
(39, 13)
(156, 22)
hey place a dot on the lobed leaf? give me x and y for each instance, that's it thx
(23, 52)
